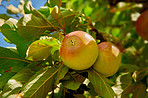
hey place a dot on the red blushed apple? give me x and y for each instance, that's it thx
(142, 25)
(109, 58)
(78, 50)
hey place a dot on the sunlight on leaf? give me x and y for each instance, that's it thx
(31, 26)
(40, 84)
(15, 83)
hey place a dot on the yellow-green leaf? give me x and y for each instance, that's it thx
(41, 49)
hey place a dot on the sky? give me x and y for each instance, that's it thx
(35, 3)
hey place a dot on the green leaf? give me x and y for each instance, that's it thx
(9, 59)
(68, 16)
(145, 52)
(123, 82)
(40, 84)
(14, 84)
(57, 35)
(128, 90)
(9, 31)
(100, 85)
(58, 94)
(146, 95)
(41, 49)
(63, 19)
(55, 13)
(17, 68)
(5, 77)
(140, 90)
(88, 10)
(128, 68)
(22, 48)
(54, 2)
(31, 26)
(61, 73)
(45, 11)
(140, 74)
(73, 81)
(92, 90)
(100, 26)
(5, 16)
(71, 84)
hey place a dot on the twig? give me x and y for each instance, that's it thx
(98, 34)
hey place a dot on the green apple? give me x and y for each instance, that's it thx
(109, 58)
(142, 25)
(79, 50)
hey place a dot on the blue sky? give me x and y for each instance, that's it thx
(36, 4)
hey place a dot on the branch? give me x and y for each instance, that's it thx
(98, 34)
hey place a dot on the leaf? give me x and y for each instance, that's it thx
(68, 16)
(17, 68)
(140, 90)
(92, 90)
(130, 88)
(57, 35)
(8, 29)
(45, 11)
(71, 84)
(128, 68)
(22, 48)
(9, 59)
(55, 13)
(5, 77)
(140, 74)
(99, 26)
(145, 52)
(100, 85)
(61, 73)
(58, 92)
(146, 95)
(123, 82)
(40, 84)
(14, 84)
(5, 16)
(41, 49)
(88, 10)
(72, 81)
(54, 2)
(31, 26)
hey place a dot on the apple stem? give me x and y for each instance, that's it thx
(72, 42)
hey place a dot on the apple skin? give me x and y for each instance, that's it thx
(142, 25)
(109, 58)
(79, 50)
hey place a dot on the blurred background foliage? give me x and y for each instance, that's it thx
(105, 20)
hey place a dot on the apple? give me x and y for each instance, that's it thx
(109, 58)
(78, 50)
(142, 25)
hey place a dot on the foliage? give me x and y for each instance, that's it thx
(34, 69)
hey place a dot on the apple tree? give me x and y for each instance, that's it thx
(35, 68)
